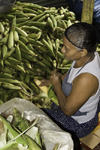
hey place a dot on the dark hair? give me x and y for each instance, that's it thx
(83, 35)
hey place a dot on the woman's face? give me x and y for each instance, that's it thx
(69, 50)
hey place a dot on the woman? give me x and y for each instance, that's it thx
(78, 90)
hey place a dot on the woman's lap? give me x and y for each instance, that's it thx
(69, 124)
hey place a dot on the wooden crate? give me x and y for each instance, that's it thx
(92, 141)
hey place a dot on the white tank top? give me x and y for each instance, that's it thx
(90, 106)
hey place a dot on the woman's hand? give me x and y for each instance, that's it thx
(45, 82)
(55, 78)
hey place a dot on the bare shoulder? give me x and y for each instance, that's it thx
(86, 77)
(84, 86)
(87, 80)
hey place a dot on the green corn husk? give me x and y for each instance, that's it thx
(52, 95)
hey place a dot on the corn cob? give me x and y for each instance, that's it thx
(28, 10)
(9, 53)
(18, 53)
(31, 28)
(13, 60)
(4, 40)
(16, 36)
(10, 86)
(7, 80)
(21, 32)
(19, 14)
(4, 50)
(1, 28)
(25, 48)
(11, 40)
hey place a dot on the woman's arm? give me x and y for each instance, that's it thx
(84, 86)
(63, 76)
(47, 82)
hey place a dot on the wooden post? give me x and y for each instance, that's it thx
(87, 11)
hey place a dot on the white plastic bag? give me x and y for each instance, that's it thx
(50, 131)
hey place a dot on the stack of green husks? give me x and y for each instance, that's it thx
(17, 133)
(30, 48)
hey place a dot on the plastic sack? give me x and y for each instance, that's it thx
(6, 6)
(51, 133)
